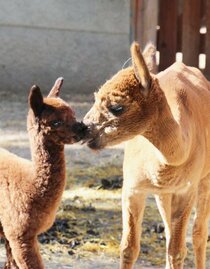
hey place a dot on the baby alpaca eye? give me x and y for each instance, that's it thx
(116, 110)
(57, 123)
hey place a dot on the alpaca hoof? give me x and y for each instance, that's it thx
(6, 266)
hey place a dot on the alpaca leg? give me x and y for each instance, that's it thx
(181, 207)
(26, 253)
(132, 208)
(10, 263)
(200, 236)
(200, 227)
(1, 231)
(164, 206)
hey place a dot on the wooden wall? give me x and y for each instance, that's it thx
(174, 26)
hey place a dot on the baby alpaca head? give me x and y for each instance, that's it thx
(124, 105)
(52, 117)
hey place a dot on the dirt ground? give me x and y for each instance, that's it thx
(88, 226)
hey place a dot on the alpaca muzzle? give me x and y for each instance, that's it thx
(80, 130)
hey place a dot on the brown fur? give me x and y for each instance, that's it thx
(30, 192)
(167, 152)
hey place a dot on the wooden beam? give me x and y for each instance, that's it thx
(149, 21)
(191, 32)
(132, 20)
(144, 14)
(207, 43)
(168, 32)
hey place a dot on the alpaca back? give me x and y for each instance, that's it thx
(15, 182)
(14, 170)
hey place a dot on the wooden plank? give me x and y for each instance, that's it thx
(168, 32)
(179, 33)
(139, 28)
(144, 14)
(190, 33)
(202, 43)
(135, 19)
(149, 21)
(132, 20)
(179, 25)
(207, 45)
(203, 12)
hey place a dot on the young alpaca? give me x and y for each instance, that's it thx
(164, 120)
(30, 192)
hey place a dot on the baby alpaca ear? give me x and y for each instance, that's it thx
(140, 69)
(55, 91)
(35, 100)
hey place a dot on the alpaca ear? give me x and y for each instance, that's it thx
(149, 55)
(55, 91)
(35, 100)
(140, 69)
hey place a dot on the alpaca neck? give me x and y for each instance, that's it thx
(48, 162)
(166, 134)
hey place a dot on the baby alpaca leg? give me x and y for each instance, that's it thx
(10, 263)
(164, 206)
(180, 212)
(132, 207)
(200, 227)
(26, 253)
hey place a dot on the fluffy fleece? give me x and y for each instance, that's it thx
(30, 191)
(164, 120)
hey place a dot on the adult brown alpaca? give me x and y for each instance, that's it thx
(30, 192)
(165, 121)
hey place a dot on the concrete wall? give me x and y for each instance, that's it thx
(85, 41)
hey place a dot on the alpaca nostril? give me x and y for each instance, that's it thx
(80, 129)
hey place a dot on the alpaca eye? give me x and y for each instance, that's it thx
(57, 123)
(116, 110)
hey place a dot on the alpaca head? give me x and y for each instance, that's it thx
(124, 105)
(53, 117)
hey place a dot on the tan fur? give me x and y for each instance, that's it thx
(167, 151)
(30, 192)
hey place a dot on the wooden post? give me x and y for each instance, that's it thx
(132, 20)
(207, 45)
(144, 14)
(191, 32)
(149, 21)
(168, 32)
